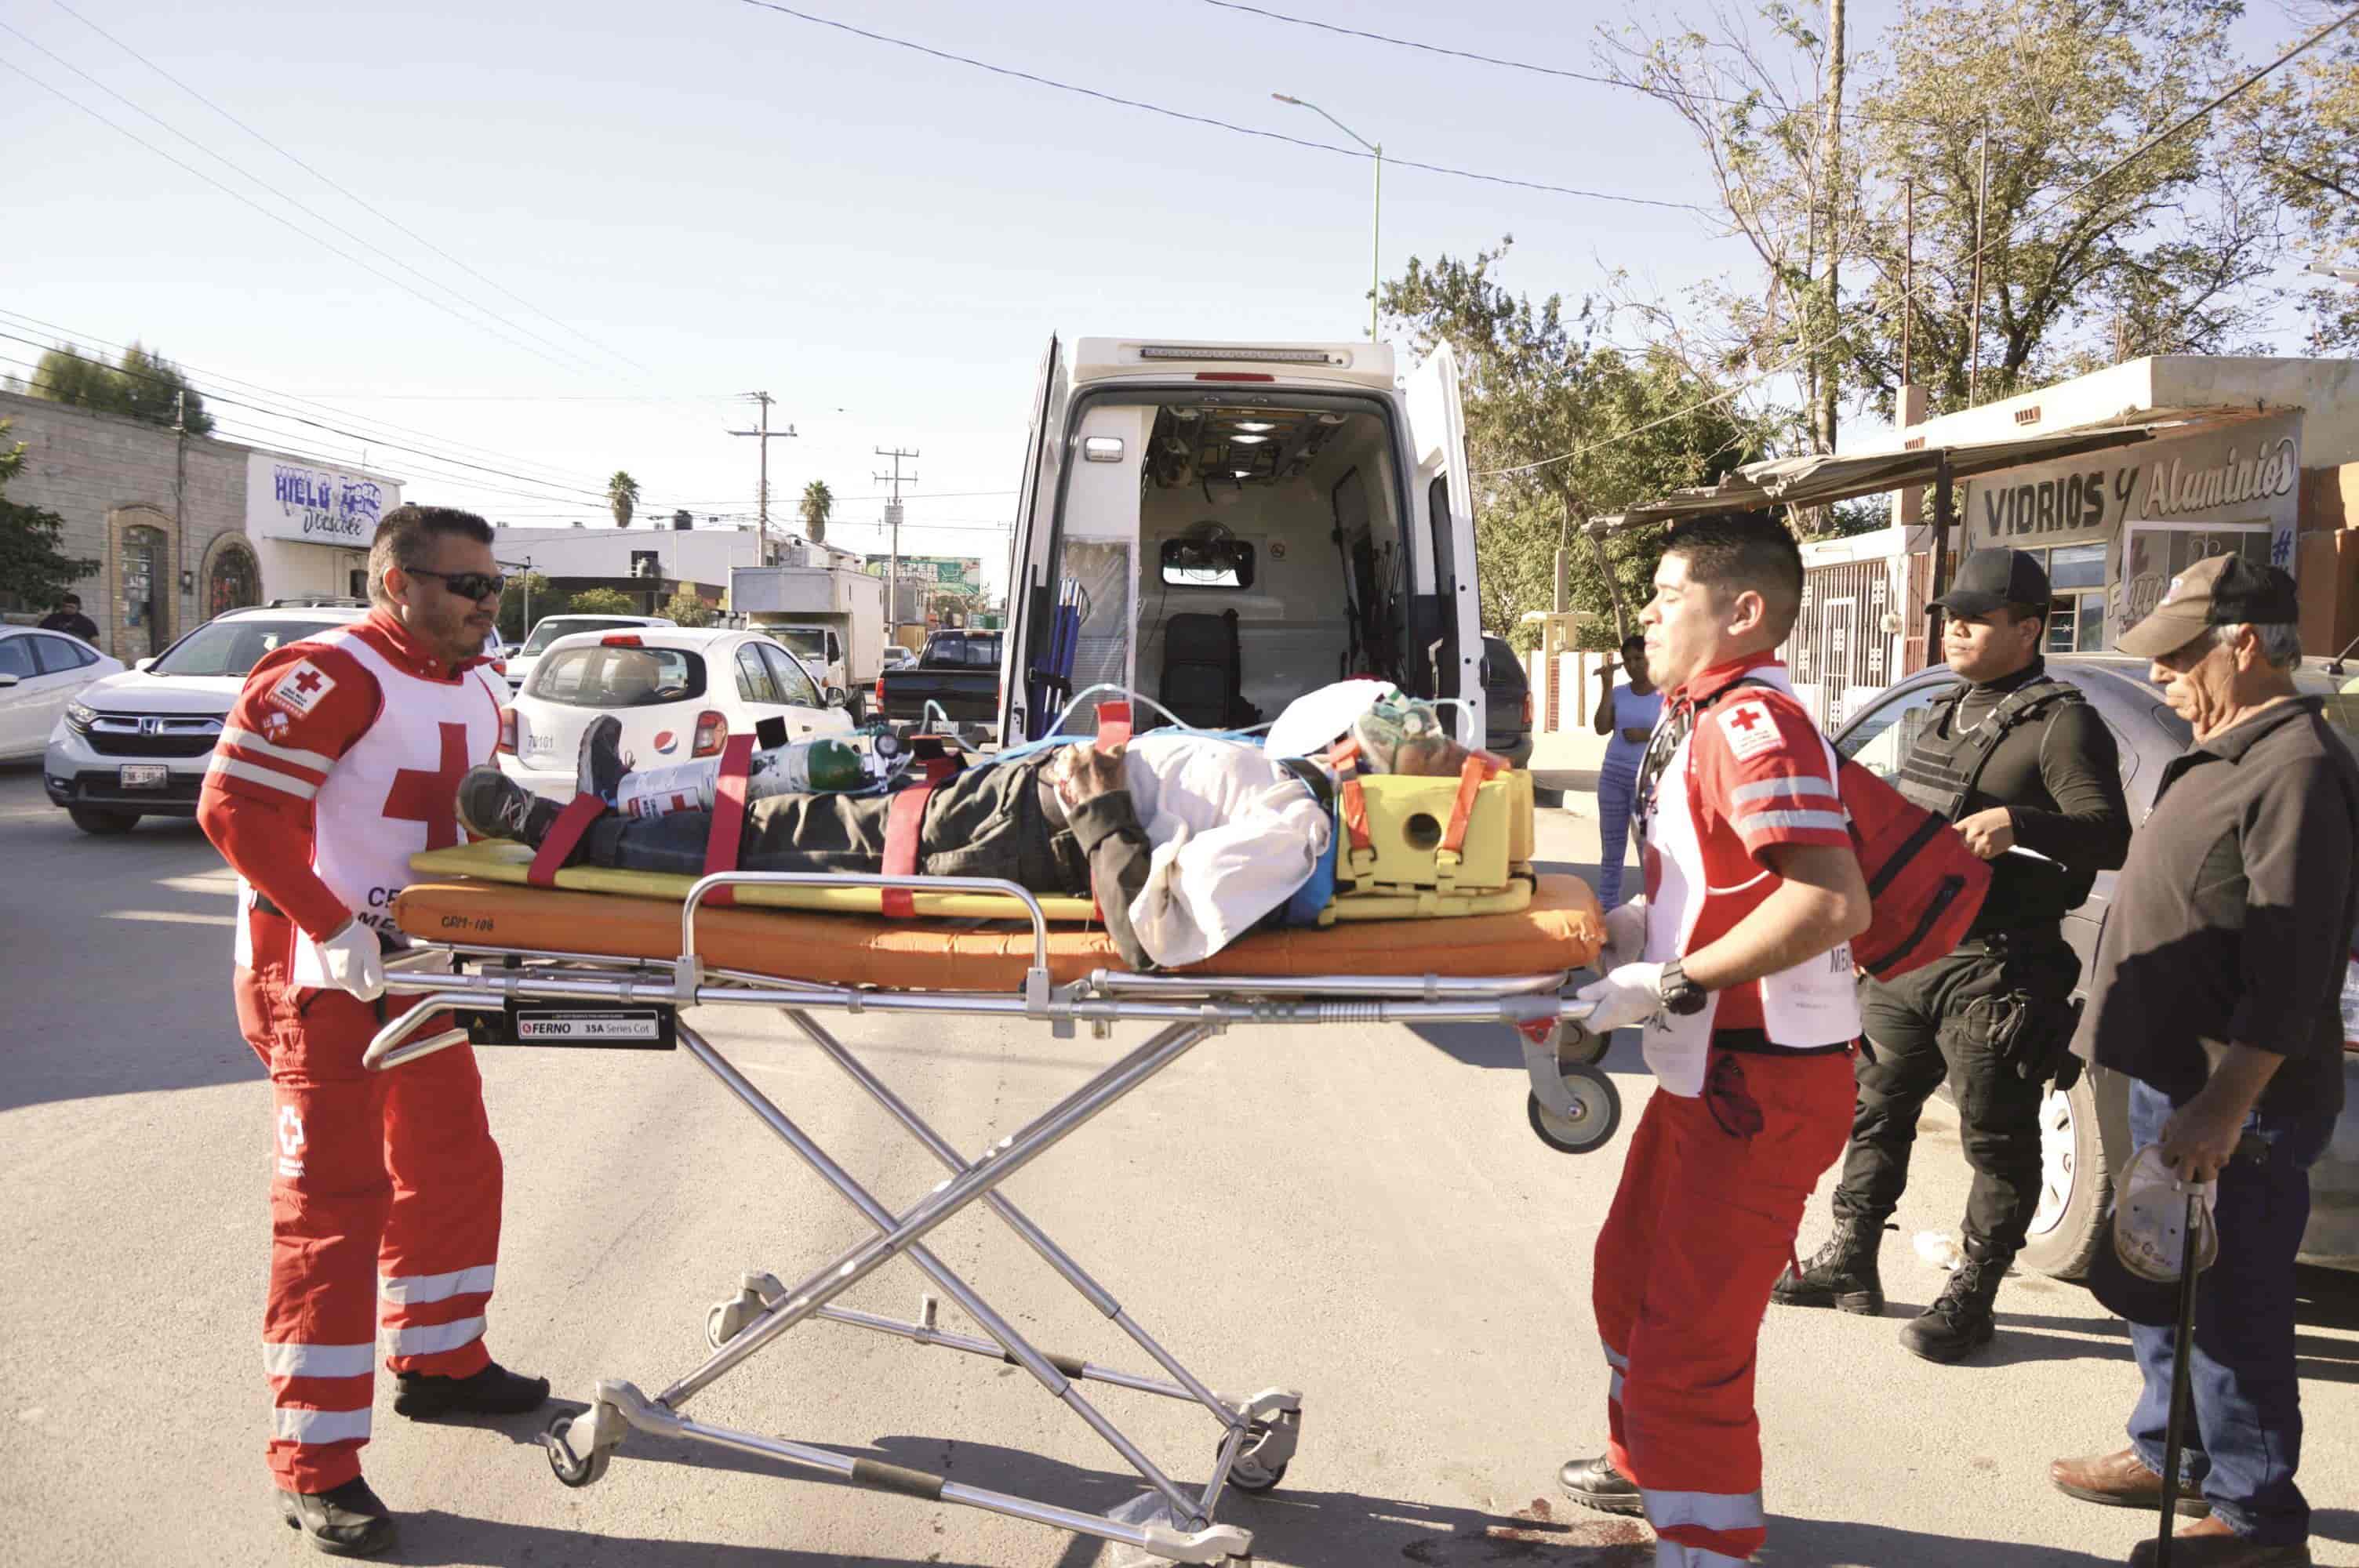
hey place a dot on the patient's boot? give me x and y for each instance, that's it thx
(601, 767)
(493, 805)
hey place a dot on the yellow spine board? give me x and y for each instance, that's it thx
(1407, 818)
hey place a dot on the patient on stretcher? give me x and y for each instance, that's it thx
(1186, 841)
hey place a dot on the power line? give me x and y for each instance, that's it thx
(299, 420)
(281, 219)
(340, 189)
(1038, 81)
(68, 334)
(1809, 349)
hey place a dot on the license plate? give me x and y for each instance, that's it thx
(145, 775)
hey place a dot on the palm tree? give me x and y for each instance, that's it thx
(623, 496)
(818, 505)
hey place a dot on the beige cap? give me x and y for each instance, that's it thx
(2221, 591)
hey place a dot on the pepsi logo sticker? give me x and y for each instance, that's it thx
(667, 743)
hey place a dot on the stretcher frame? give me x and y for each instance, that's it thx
(1573, 1106)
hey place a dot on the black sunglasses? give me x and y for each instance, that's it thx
(466, 584)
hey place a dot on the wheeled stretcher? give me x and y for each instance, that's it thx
(502, 964)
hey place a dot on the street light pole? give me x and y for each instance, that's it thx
(1377, 221)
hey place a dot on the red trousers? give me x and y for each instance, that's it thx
(385, 1202)
(1712, 1195)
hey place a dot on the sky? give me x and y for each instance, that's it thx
(620, 218)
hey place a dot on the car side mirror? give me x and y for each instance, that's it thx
(141, 664)
(838, 698)
(7, 681)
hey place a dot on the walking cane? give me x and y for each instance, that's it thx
(2175, 1430)
(2252, 1152)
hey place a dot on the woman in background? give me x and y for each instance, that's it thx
(1627, 714)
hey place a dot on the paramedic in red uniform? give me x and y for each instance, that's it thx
(1737, 966)
(337, 764)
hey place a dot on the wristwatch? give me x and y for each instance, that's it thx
(1683, 998)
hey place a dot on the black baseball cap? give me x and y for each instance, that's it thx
(2222, 590)
(1993, 579)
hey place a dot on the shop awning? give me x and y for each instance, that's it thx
(1821, 481)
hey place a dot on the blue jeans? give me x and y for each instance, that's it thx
(2244, 1442)
(1617, 794)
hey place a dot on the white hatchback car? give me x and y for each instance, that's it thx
(681, 693)
(40, 672)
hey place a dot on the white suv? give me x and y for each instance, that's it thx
(518, 666)
(138, 743)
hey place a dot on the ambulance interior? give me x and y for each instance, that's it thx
(1269, 544)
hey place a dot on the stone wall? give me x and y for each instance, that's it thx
(130, 495)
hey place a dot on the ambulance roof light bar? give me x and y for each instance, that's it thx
(1244, 355)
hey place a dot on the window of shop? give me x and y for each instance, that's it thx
(2076, 617)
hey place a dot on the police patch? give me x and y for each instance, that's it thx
(1748, 727)
(300, 688)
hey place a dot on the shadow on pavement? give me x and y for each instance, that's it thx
(1288, 1525)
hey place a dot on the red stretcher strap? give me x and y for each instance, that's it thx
(728, 813)
(903, 818)
(563, 834)
(1114, 725)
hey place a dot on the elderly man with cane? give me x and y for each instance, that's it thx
(2216, 990)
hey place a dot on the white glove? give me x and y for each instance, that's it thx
(353, 960)
(1629, 994)
(1625, 935)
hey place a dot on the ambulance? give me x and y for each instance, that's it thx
(1222, 528)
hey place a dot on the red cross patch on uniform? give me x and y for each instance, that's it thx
(302, 687)
(1748, 727)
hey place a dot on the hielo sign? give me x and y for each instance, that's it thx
(286, 498)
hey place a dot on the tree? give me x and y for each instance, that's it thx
(623, 497)
(602, 602)
(524, 587)
(2167, 253)
(1537, 386)
(817, 506)
(686, 608)
(33, 571)
(143, 386)
(2303, 131)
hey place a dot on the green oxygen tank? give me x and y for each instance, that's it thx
(808, 767)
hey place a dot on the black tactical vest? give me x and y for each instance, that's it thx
(1939, 770)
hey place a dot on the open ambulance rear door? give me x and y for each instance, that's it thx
(1445, 624)
(1031, 591)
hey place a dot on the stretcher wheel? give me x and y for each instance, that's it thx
(1249, 1473)
(563, 1465)
(1597, 1111)
(1574, 1043)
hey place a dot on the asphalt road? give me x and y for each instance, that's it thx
(1360, 1214)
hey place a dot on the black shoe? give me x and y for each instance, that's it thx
(493, 805)
(343, 1521)
(1596, 1484)
(1959, 1322)
(1841, 1274)
(601, 767)
(494, 1390)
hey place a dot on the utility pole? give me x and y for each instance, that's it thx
(1982, 211)
(766, 435)
(1908, 284)
(1828, 386)
(893, 522)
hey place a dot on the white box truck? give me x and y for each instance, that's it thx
(1224, 526)
(833, 617)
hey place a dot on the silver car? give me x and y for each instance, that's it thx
(2085, 1134)
(138, 743)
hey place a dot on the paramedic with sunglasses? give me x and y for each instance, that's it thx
(337, 764)
(1736, 966)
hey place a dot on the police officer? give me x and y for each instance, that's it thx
(2022, 764)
